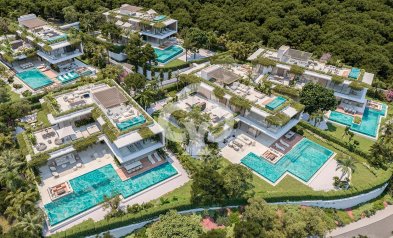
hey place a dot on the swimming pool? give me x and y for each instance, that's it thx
(303, 161)
(354, 74)
(34, 78)
(278, 101)
(130, 123)
(369, 124)
(163, 56)
(89, 190)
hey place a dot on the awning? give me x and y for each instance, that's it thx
(65, 131)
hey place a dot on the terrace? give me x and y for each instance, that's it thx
(61, 134)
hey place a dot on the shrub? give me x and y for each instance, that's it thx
(290, 91)
(84, 121)
(84, 143)
(240, 102)
(265, 61)
(17, 85)
(296, 69)
(145, 132)
(278, 119)
(26, 93)
(337, 79)
(219, 92)
(356, 86)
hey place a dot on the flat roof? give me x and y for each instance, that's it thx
(33, 23)
(224, 76)
(368, 78)
(298, 54)
(110, 97)
(130, 8)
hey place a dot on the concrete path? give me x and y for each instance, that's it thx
(378, 226)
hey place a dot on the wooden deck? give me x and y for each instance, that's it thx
(340, 109)
(291, 142)
(147, 165)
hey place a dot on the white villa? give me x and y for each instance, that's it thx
(54, 47)
(90, 127)
(257, 121)
(315, 71)
(155, 28)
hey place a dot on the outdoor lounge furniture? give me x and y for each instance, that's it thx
(152, 161)
(52, 168)
(238, 143)
(157, 156)
(133, 166)
(278, 146)
(284, 143)
(289, 135)
(55, 174)
(79, 165)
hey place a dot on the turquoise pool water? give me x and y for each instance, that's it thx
(278, 101)
(130, 123)
(369, 124)
(303, 161)
(159, 18)
(342, 118)
(34, 78)
(166, 54)
(89, 190)
(68, 77)
(354, 73)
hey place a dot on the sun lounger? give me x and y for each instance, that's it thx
(152, 161)
(158, 158)
(284, 143)
(279, 147)
(238, 143)
(235, 147)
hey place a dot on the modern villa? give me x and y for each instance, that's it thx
(54, 47)
(43, 55)
(349, 85)
(100, 142)
(155, 29)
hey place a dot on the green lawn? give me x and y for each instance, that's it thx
(338, 132)
(42, 116)
(173, 63)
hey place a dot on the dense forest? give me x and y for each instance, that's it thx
(356, 32)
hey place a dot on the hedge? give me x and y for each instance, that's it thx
(282, 89)
(145, 132)
(85, 143)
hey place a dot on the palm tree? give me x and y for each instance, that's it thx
(21, 201)
(188, 46)
(347, 166)
(31, 224)
(388, 130)
(146, 97)
(317, 117)
(10, 161)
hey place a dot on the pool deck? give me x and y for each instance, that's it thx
(147, 165)
(321, 180)
(152, 193)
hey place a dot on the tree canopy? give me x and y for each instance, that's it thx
(316, 98)
(363, 39)
(174, 225)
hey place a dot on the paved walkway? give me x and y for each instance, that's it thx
(378, 226)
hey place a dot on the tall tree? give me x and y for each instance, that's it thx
(174, 225)
(315, 98)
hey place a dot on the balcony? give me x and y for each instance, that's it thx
(158, 34)
(58, 58)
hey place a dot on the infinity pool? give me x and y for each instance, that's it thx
(369, 124)
(34, 78)
(163, 56)
(89, 190)
(303, 161)
(130, 123)
(278, 101)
